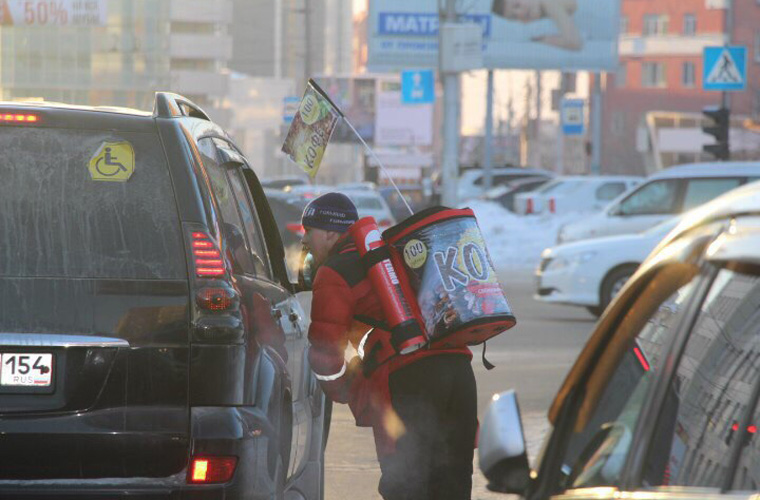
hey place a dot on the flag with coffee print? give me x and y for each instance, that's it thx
(311, 129)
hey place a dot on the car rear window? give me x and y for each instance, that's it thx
(699, 191)
(57, 220)
(366, 202)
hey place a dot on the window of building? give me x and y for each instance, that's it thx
(192, 64)
(688, 74)
(689, 24)
(655, 24)
(618, 123)
(621, 76)
(193, 28)
(653, 74)
(623, 25)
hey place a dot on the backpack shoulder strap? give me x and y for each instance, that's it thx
(374, 323)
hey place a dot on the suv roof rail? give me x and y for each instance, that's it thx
(169, 105)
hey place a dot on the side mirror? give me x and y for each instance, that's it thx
(501, 447)
(306, 272)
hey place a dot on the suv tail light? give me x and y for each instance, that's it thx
(552, 205)
(206, 256)
(205, 470)
(216, 298)
(529, 206)
(18, 118)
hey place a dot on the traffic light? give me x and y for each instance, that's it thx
(719, 129)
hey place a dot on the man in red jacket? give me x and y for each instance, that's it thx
(421, 406)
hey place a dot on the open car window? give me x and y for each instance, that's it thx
(615, 392)
(710, 399)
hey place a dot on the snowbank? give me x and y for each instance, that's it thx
(516, 242)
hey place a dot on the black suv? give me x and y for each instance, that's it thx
(151, 343)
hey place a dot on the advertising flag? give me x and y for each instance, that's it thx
(311, 129)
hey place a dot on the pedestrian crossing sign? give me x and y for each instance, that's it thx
(724, 68)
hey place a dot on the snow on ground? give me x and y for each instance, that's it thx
(516, 241)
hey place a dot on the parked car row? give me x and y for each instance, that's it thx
(663, 195)
(664, 400)
(574, 194)
(589, 272)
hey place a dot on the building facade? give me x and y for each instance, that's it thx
(658, 84)
(139, 47)
(277, 46)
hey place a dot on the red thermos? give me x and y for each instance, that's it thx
(407, 333)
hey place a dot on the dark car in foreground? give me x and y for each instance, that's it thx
(664, 400)
(151, 343)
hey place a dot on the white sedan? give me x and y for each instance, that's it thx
(590, 272)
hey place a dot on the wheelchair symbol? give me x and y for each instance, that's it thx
(109, 161)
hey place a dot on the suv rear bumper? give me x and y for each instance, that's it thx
(243, 432)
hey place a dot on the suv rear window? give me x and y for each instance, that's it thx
(56, 221)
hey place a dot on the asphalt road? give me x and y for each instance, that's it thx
(532, 358)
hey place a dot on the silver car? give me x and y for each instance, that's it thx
(664, 400)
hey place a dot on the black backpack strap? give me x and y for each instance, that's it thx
(486, 363)
(374, 323)
(370, 361)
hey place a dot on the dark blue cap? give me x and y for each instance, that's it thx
(331, 212)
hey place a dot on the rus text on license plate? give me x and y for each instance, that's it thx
(26, 369)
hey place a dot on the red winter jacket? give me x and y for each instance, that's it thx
(341, 293)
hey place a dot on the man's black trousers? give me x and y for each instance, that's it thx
(436, 399)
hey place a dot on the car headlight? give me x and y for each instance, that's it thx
(560, 262)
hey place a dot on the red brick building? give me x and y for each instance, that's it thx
(661, 44)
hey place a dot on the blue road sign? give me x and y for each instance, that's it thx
(417, 87)
(724, 68)
(572, 116)
(290, 108)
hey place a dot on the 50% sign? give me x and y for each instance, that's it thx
(43, 12)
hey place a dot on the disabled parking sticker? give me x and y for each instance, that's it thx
(113, 161)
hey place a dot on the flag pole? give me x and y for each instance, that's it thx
(380, 164)
(371, 152)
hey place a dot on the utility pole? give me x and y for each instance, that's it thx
(450, 161)
(278, 39)
(488, 145)
(560, 133)
(307, 41)
(536, 150)
(596, 125)
(728, 28)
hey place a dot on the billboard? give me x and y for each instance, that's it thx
(53, 13)
(527, 34)
(400, 124)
